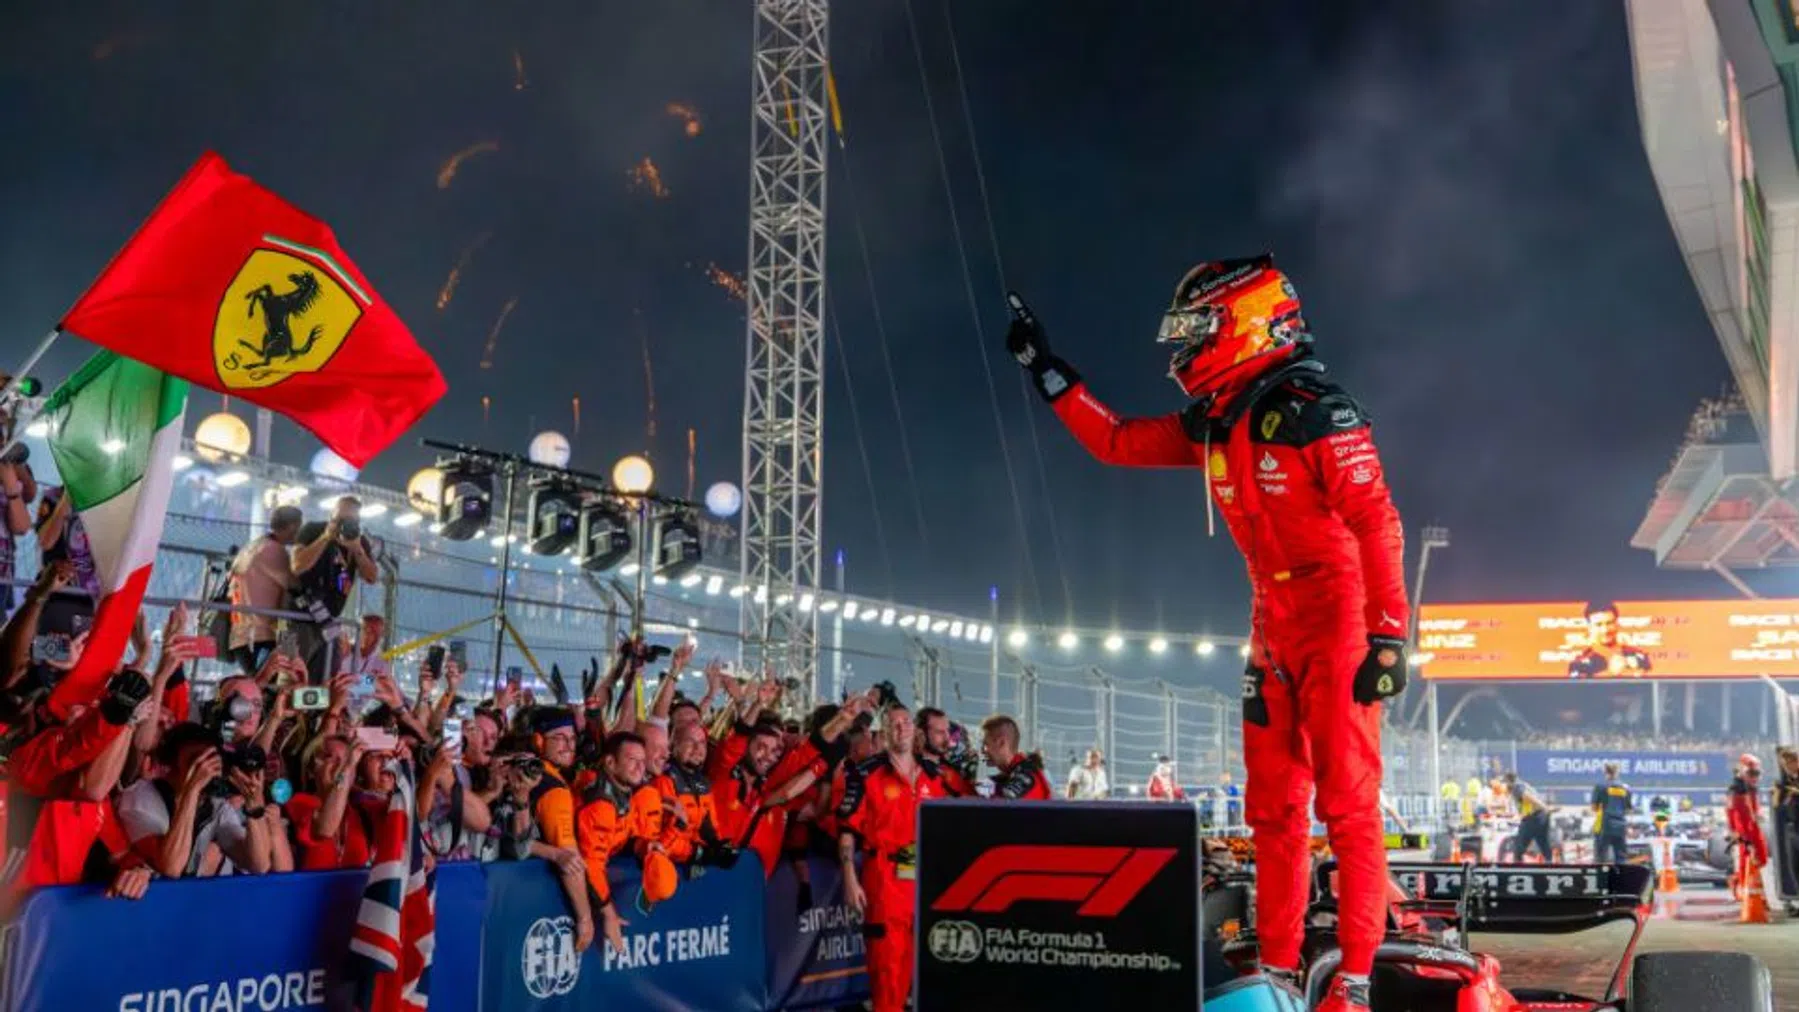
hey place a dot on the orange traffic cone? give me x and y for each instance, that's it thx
(1755, 901)
(1667, 885)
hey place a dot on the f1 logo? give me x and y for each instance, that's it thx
(1103, 880)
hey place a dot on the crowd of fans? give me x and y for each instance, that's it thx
(293, 756)
(1619, 741)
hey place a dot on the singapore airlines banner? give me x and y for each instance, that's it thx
(1603, 640)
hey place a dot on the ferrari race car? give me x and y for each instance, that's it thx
(1427, 963)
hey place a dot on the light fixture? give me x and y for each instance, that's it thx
(955, 629)
(1068, 641)
(552, 515)
(633, 475)
(739, 590)
(888, 615)
(1203, 647)
(869, 614)
(907, 621)
(986, 634)
(497, 540)
(783, 600)
(972, 632)
(602, 536)
(828, 605)
(435, 528)
(714, 584)
(850, 608)
(425, 489)
(221, 435)
(465, 498)
(1158, 645)
(806, 601)
(181, 462)
(407, 520)
(693, 579)
(1017, 638)
(373, 509)
(1114, 643)
(232, 479)
(659, 580)
(677, 546)
(1243, 650)
(924, 621)
(761, 594)
(940, 625)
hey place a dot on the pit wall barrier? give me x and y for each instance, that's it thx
(728, 941)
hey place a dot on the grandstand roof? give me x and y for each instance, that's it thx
(1716, 508)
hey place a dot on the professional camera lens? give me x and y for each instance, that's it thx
(350, 527)
(239, 709)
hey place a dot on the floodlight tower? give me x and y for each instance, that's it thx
(783, 394)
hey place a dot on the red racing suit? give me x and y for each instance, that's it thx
(1290, 462)
(1744, 816)
(879, 807)
(1023, 780)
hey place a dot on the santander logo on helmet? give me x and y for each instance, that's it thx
(1230, 319)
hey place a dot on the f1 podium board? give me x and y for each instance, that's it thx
(1034, 905)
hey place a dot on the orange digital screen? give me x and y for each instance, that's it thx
(1633, 639)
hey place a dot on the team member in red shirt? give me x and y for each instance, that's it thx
(1289, 461)
(1020, 776)
(1744, 815)
(878, 814)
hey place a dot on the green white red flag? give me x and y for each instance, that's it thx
(115, 427)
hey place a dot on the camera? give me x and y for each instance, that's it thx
(311, 697)
(247, 759)
(350, 527)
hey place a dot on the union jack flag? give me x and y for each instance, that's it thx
(396, 926)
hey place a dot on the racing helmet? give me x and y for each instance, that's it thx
(1226, 317)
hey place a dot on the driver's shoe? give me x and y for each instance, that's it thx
(1346, 996)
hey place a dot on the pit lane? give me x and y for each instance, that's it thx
(1581, 963)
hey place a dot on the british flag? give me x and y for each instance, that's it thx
(396, 926)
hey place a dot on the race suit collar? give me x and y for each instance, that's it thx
(1253, 390)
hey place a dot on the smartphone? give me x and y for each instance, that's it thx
(204, 646)
(434, 659)
(311, 698)
(376, 739)
(50, 648)
(288, 643)
(452, 734)
(515, 677)
(459, 653)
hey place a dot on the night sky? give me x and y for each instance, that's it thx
(1460, 195)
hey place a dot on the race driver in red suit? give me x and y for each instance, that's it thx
(1289, 461)
(1744, 815)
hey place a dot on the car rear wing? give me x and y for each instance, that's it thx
(1519, 899)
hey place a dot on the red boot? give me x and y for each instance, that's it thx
(1346, 996)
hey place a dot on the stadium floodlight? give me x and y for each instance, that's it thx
(1203, 647)
(1158, 645)
(869, 614)
(1017, 638)
(783, 600)
(692, 580)
(955, 629)
(850, 609)
(986, 634)
(940, 625)
(739, 590)
(714, 584)
(603, 536)
(807, 600)
(232, 479)
(553, 514)
(629, 569)
(1068, 641)
(888, 615)
(829, 605)
(1114, 643)
(408, 519)
(1243, 650)
(465, 503)
(907, 621)
(677, 545)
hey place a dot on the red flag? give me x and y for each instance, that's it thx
(228, 286)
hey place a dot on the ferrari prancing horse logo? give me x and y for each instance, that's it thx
(1270, 422)
(281, 316)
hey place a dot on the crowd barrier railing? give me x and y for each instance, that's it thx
(728, 941)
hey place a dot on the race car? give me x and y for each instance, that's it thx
(1426, 962)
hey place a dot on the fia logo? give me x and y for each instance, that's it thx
(549, 961)
(955, 942)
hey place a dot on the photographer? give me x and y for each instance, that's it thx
(17, 489)
(330, 558)
(471, 808)
(328, 831)
(198, 817)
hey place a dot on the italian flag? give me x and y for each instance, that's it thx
(115, 427)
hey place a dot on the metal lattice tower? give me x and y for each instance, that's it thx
(783, 394)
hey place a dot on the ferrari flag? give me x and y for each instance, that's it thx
(114, 429)
(228, 286)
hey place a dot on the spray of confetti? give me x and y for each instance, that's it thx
(448, 291)
(518, 71)
(647, 177)
(493, 336)
(731, 283)
(693, 446)
(577, 407)
(486, 410)
(447, 171)
(649, 376)
(689, 117)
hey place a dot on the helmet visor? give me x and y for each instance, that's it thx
(1190, 329)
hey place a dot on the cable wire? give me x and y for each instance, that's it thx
(999, 266)
(974, 312)
(874, 302)
(868, 474)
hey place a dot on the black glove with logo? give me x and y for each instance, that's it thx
(1030, 346)
(1382, 674)
(1255, 705)
(127, 689)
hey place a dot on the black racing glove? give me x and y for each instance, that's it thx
(1255, 705)
(1030, 346)
(1382, 674)
(558, 685)
(127, 689)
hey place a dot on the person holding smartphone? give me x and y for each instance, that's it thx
(362, 659)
